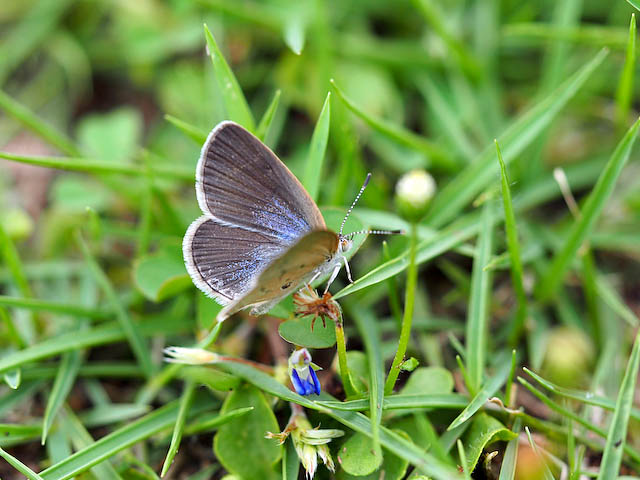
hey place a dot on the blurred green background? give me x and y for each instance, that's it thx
(416, 84)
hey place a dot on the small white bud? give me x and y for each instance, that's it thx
(414, 192)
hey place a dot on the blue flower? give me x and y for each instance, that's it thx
(303, 376)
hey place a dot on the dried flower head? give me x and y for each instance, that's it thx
(308, 302)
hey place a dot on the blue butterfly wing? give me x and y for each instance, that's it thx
(241, 182)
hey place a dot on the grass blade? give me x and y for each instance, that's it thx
(368, 329)
(185, 405)
(267, 119)
(65, 378)
(315, 159)
(616, 438)
(234, 102)
(625, 84)
(547, 475)
(122, 438)
(478, 316)
(508, 467)
(473, 179)
(579, 233)
(39, 305)
(438, 156)
(139, 347)
(514, 252)
(87, 165)
(19, 466)
(489, 389)
(191, 131)
(31, 121)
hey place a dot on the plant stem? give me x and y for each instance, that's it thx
(349, 387)
(410, 295)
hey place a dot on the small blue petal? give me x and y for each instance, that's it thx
(298, 384)
(316, 382)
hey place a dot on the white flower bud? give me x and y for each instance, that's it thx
(414, 192)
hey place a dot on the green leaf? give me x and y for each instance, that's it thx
(290, 461)
(428, 381)
(358, 456)
(267, 119)
(19, 466)
(489, 389)
(234, 102)
(478, 316)
(112, 136)
(484, 431)
(549, 282)
(617, 435)
(240, 444)
(298, 332)
(403, 401)
(634, 3)
(315, 159)
(482, 171)
(161, 275)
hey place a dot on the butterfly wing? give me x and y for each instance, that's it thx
(287, 272)
(223, 260)
(240, 181)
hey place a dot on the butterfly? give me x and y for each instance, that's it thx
(261, 235)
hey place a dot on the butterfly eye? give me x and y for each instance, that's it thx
(285, 286)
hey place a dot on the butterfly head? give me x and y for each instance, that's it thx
(344, 243)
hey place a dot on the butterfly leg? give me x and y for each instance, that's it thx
(346, 267)
(333, 276)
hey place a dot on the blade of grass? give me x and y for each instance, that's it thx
(138, 346)
(234, 101)
(472, 180)
(65, 378)
(617, 435)
(438, 156)
(267, 119)
(122, 438)
(81, 439)
(407, 316)
(463, 460)
(514, 253)
(625, 84)
(39, 305)
(478, 317)
(403, 401)
(19, 466)
(315, 159)
(547, 475)
(290, 462)
(185, 405)
(549, 282)
(489, 389)
(508, 467)
(588, 398)
(34, 123)
(194, 133)
(73, 164)
(105, 334)
(634, 3)
(370, 334)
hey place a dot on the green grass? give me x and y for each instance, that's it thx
(502, 312)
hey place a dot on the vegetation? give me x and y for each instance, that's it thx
(496, 339)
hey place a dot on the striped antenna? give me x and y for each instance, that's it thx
(375, 232)
(364, 185)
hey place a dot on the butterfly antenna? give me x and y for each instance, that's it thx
(364, 185)
(376, 232)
